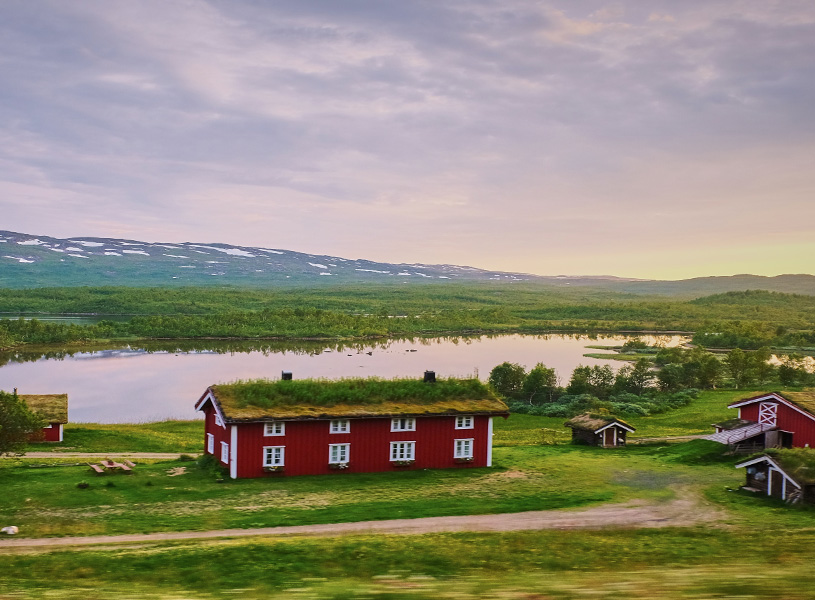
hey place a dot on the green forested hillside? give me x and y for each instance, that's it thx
(745, 319)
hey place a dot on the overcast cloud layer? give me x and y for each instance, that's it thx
(661, 139)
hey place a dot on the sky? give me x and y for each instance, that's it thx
(658, 139)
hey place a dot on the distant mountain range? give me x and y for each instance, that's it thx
(40, 261)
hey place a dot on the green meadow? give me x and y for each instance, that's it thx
(753, 548)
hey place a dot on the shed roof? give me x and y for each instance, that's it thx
(798, 463)
(594, 422)
(732, 424)
(351, 398)
(51, 407)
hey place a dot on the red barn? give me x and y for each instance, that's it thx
(53, 409)
(311, 427)
(780, 419)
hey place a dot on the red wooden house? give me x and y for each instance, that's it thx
(771, 420)
(53, 409)
(309, 427)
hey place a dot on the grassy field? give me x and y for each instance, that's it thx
(670, 563)
(45, 500)
(758, 548)
(162, 436)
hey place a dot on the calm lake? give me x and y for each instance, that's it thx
(160, 381)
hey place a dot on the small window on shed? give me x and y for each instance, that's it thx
(218, 420)
(210, 444)
(225, 453)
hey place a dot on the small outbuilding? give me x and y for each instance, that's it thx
(787, 474)
(53, 409)
(599, 430)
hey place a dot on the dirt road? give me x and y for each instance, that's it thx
(685, 510)
(97, 455)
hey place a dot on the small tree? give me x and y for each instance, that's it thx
(739, 363)
(17, 423)
(540, 385)
(508, 379)
(762, 367)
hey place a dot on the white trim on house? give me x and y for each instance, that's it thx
(776, 397)
(465, 422)
(613, 423)
(403, 424)
(339, 426)
(233, 457)
(278, 458)
(274, 428)
(209, 397)
(342, 451)
(407, 451)
(489, 443)
(463, 448)
(60, 432)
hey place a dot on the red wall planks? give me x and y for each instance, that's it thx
(307, 444)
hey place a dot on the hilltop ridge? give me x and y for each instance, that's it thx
(31, 261)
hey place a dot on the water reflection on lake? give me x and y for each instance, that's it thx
(158, 381)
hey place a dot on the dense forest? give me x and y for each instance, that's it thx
(747, 320)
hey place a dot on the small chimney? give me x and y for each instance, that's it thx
(430, 377)
(285, 375)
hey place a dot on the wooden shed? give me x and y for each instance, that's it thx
(599, 430)
(308, 427)
(787, 474)
(53, 409)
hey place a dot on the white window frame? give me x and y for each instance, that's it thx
(210, 443)
(225, 453)
(274, 428)
(403, 450)
(465, 422)
(768, 413)
(218, 420)
(339, 453)
(463, 448)
(277, 456)
(340, 426)
(403, 424)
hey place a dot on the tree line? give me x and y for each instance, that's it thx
(672, 379)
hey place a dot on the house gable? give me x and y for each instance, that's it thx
(799, 407)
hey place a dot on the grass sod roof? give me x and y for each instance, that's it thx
(732, 424)
(593, 422)
(804, 399)
(798, 463)
(52, 408)
(372, 397)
